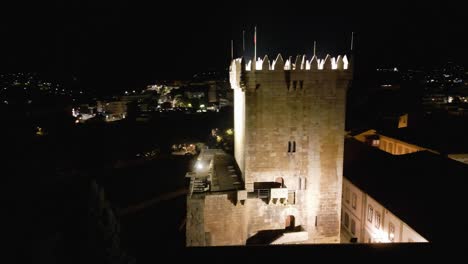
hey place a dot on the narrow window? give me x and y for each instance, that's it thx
(370, 213)
(289, 146)
(353, 200)
(294, 146)
(391, 232)
(353, 227)
(347, 195)
(294, 85)
(346, 220)
(377, 220)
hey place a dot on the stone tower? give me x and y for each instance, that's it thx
(289, 137)
(289, 121)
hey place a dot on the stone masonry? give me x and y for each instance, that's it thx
(289, 131)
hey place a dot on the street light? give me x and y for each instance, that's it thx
(199, 165)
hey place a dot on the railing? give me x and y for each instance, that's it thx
(260, 193)
(279, 193)
(275, 194)
(200, 185)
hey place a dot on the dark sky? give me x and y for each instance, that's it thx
(122, 44)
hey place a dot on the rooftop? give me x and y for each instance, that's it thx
(442, 133)
(410, 186)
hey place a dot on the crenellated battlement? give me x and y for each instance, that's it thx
(306, 72)
(300, 63)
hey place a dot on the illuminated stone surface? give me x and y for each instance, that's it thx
(289, 129)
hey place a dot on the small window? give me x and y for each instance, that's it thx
(375, 143)
(391, 232)
(289, 146)
(353, 227)
(302, 182)
(370, 213)
(354, 200)
(294, 146)
(346, 220)
(347, 195)
(377, 220)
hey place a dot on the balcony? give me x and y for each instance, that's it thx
(273, 195)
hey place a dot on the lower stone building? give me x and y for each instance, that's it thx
(221, 212)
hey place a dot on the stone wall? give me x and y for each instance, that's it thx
(225, 222)
(195, 231)
(294, 132)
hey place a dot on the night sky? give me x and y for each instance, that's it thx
(116, 44)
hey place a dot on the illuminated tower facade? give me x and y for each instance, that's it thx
(289, 119)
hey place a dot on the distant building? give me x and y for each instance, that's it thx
(113, 110)
(387, 144)
(404, 141)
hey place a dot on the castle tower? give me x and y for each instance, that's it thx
(289, 135)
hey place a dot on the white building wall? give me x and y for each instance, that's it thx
(391, 219)
(353, 207)
(366, 229)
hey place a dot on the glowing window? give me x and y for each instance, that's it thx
(391, 232)
(377, 220)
